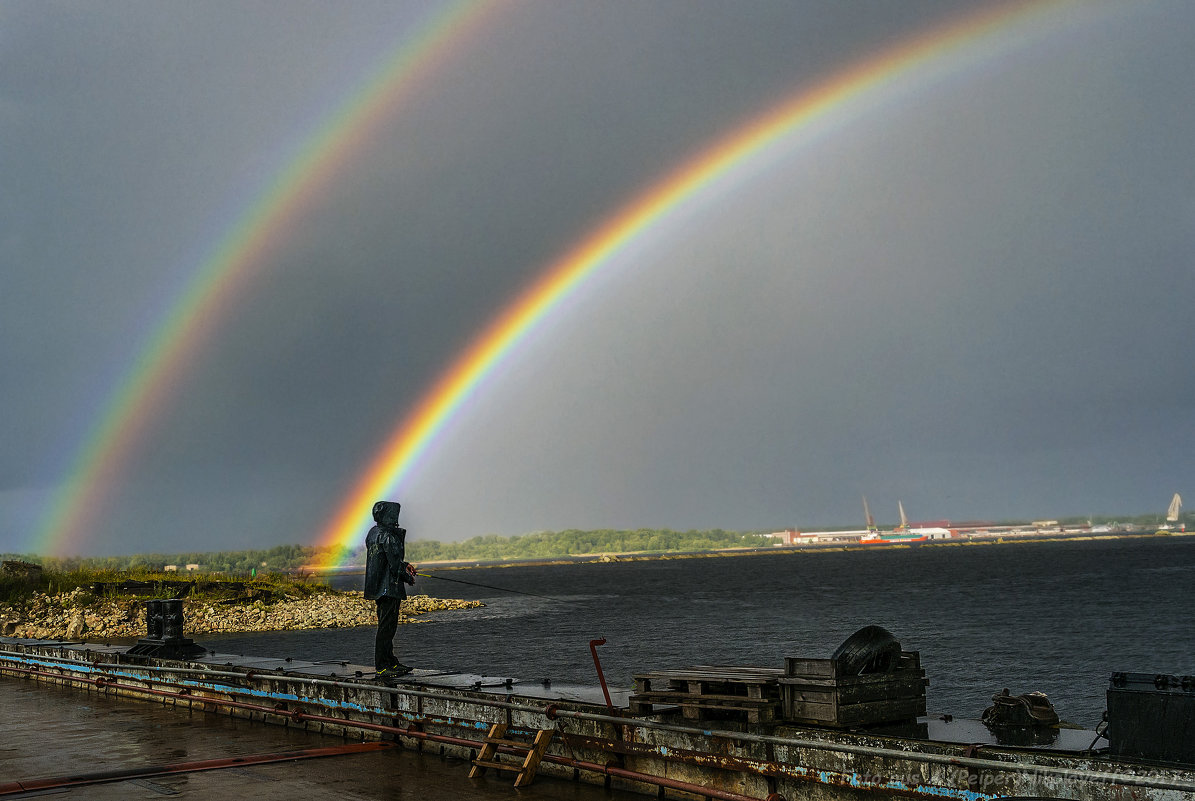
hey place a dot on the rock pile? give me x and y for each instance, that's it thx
(78, 615)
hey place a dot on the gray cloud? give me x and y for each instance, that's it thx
(971, 298)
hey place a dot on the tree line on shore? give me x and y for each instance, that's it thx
(279, 559)
(574, 542)
(295, 558)
(538, 545)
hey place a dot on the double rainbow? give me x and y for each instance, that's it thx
(228, 267)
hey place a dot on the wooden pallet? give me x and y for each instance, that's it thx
(533, 753)
(707, 691)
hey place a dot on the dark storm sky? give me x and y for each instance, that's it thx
(970, 294)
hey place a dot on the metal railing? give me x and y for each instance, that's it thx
(551, 711)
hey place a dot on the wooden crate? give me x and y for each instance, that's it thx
(828, 668)
(812, 691)
(709, 691)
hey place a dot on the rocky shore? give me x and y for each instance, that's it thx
(77, 615)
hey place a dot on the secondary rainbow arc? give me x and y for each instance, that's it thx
(227, 269)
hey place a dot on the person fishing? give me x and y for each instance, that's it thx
(386, 575)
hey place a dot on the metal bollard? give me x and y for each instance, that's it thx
(164, 629)
(154, 621)
(172, 619)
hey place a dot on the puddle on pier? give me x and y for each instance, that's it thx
(57, 732)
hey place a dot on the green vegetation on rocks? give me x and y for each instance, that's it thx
(107, 605)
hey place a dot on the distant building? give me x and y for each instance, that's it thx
(171, 568)
(793, 537)
(933, 532)
(192, 567)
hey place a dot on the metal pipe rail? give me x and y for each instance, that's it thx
(549, 710)
(42, 785)
(250, 675)
(299, 716)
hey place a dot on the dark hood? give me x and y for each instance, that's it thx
(385, 513)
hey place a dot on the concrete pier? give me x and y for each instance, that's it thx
(50, 732)
(661, 754)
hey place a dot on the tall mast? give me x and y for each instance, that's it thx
(871, 523)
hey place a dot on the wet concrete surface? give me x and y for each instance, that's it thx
(58, 732)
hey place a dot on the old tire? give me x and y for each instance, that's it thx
(871, 649)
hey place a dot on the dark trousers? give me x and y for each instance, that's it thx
(383, 646)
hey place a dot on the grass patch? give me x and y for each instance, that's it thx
(17, 589)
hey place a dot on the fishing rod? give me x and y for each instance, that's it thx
(489, 587)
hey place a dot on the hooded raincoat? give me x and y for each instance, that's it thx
(385, 548)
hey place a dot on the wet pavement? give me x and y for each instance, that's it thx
(50, 731)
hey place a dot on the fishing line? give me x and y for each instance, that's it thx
(492, 587)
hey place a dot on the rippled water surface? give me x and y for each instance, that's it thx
(1054, 617)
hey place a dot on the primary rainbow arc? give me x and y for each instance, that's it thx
(414, 434)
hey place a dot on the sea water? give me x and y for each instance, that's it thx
(1055, 617)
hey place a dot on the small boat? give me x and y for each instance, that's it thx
(1172, 516)
(900, 534)
(888, 537)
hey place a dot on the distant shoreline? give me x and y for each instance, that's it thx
(660, 556)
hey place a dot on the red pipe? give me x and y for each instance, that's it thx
(593, 644)
(298, 715)
(29, 785)
(660, 781)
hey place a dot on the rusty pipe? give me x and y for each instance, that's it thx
(121, 774)
(864, 750)
(659, 781)
(593, 644)
(299, 716)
